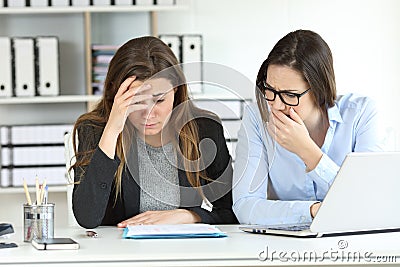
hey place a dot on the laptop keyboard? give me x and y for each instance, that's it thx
(292, 227)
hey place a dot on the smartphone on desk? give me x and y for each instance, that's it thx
(55, 243)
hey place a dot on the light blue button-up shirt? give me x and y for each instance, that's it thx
(289, 192)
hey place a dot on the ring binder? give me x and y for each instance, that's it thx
(174, 42)
(15, 3)
(59, 3)
(123, 2)
(24, 66)
(39, 3)
(192, 54)
(101, 2)
(5, 67)
(47, 65)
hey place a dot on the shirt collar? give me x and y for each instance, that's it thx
(334, 114)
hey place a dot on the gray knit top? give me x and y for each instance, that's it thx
(159, 182)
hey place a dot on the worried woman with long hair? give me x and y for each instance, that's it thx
(140, 155)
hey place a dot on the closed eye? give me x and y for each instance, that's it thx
(290, 95)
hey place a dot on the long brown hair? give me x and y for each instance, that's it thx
(144, 57)
(306, 52)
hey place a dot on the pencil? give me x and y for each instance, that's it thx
(28, 197)
(42, 192)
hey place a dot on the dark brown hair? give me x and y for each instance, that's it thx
(306, 52)
(143, 57)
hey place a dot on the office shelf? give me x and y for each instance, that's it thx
(50, 99)
(14, 190)
(90, 9)
(74, 26)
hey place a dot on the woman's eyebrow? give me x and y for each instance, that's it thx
(269, 85)
(159, 94)
(288, 90)
(163, 93)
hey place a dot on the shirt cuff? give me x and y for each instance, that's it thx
(323, 175)
(301, 210)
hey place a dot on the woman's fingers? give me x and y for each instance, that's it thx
(137, 99)
(133, 108)
(136, 91)
(295, 116)
(160, 217)
(136, 220)
(125, 86)
(281, 119)
(142, 88)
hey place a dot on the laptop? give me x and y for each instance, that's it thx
(363, 198)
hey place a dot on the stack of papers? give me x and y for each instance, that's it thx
(172, 231)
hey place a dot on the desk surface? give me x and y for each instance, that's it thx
(238, 249)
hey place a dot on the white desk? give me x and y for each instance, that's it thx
(238, 249)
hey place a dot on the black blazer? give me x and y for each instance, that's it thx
(94, 200)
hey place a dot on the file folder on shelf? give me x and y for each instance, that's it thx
(192, 59)
(38, 156)
(5, 67)
(5, 156)
(24, 66)
(174, 42)
(59, 2)
(53, 175)
(165, 2)
(123, 2)
(47, 66)
(39, 3)
(16, 3)
(4, 135)
(101, 57)
(101, 2)
(144, 2)
(39, 134)
(80, 3)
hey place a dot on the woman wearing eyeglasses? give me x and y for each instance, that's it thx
(291, 146)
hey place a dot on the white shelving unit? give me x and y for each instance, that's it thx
(87, 12)
(20, 190)
(50, 99)
(77, 28)
(91, 9)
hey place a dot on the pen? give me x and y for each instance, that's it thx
(28, 236)
(37, 190)
(28, 197)
(91, 233)
(46, 194)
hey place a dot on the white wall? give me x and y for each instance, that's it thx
(363, 36)
(12, 210)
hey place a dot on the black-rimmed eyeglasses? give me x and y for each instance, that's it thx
(287, 97)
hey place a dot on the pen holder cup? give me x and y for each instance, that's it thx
(38, 222)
